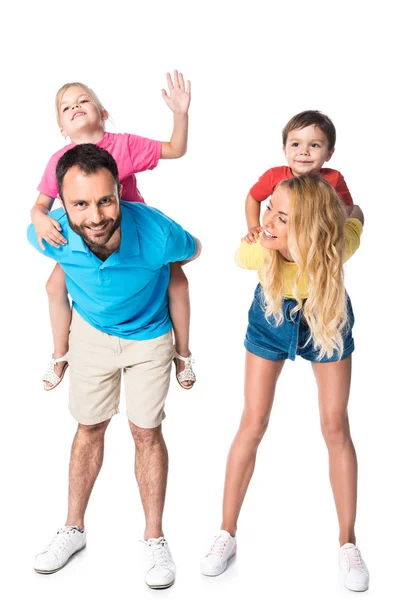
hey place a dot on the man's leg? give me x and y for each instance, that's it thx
(151, 470)
(85, 464)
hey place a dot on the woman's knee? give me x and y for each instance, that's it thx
(336, 431)
(253, 428)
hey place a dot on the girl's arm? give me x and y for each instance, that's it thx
(178, 101)
(46, 227)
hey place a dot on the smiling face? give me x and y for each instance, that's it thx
(92, 206)
(274, 234)
(78, 113)
(306, 150)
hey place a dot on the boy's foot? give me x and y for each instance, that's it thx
(67, 541)
(216, 560)
(184, 370)
(55, 372)
(353, 568)
(161, 567)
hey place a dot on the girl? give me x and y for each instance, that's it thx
(81, 117)
(300, 307)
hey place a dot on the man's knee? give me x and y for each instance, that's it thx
(92, 431)
(145, 437)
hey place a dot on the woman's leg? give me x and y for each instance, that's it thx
(60, 314)
(179, 309)
(260, 382)
(333, 380)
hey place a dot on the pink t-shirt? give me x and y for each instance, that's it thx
(132, 154)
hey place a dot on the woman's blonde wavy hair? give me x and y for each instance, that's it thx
(316, 244)
(87, 90)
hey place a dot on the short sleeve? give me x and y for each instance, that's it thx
(353, 230)
(144, 153)
(342, 190)
(264, 186)
(50, 251)
(250, 256)
(48, 183)
(180, 244)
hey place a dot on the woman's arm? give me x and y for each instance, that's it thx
(355, 212)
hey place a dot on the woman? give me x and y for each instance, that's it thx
(300, 307)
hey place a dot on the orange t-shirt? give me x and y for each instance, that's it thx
(268, 182)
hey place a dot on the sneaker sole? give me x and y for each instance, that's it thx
(62, 566)
(160, 587)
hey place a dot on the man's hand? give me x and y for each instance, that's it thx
(179, 98)
(48, 229)
(252, 235)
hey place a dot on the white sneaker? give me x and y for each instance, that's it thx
(353, 568)
(216, 560)
(67, 541)
(161, 567)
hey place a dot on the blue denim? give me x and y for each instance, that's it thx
(266, 340)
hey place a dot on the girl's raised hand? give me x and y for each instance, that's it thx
(178, 99)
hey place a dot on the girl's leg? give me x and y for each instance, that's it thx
(179, 309)
(333, 380)
(260, 382)
(60, 314)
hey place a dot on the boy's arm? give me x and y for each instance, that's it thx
(253, 209)
(343, 191)
(178, 101)
(46, 227)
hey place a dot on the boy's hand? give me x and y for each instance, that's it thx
(252, 235)
(179, 98)
(48, 229)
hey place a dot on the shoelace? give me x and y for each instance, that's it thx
(218, 546)
(158, 553)
(355, 560)
(60, 541)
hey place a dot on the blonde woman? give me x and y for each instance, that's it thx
(300, 307)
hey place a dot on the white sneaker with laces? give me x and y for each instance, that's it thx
(67, 541)
(216, 560)
(161, 567)
(353, 568)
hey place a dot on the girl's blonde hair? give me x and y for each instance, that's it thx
(89, 92)
(316, 244)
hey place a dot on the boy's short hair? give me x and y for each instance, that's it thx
(311, 117)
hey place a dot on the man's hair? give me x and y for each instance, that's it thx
(89, 158)
(311, 117)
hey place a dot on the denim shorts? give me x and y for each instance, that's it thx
(266, 340)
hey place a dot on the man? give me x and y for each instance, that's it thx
(116, 264)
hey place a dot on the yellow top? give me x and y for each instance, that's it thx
(251, 256)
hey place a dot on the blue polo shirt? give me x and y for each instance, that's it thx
(126, 295)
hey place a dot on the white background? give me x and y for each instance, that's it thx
(253, 65)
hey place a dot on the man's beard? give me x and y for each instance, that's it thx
(101, 241)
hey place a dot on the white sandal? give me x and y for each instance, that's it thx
(51, 376)
(187, 374)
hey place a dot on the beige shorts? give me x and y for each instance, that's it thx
(95, 363)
